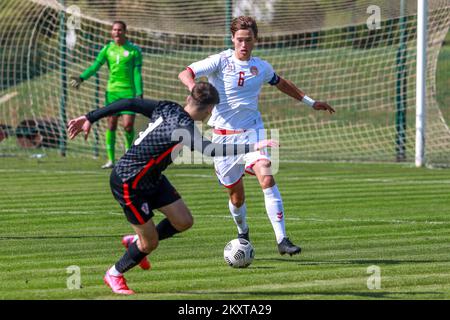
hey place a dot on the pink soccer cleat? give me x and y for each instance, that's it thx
(126, 241)
(117, 284)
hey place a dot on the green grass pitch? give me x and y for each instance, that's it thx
(57, 213)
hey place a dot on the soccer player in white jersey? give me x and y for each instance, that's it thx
(239, 77)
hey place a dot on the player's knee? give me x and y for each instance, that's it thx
(189, 222)
(154, 244)
(237, 200)
(185, 223)
(263, 168)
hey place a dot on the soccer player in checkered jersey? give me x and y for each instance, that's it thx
(137, 182)
(239, 77)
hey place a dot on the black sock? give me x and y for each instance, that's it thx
(130, 259)
(165, 229)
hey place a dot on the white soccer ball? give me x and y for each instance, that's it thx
(238, 253)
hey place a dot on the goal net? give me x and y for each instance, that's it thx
(358, 55)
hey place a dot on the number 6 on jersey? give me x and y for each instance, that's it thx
(241, 78)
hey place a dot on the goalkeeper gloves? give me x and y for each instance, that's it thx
(75, 82)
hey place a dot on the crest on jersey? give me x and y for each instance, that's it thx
(230, 66)
(254, 70)
(145, 209)
(126, 53)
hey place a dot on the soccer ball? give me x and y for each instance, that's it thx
(238, 253)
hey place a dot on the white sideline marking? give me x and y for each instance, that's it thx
(189, 175)
(306, 219)
(340, 179)
(56, 212)
(7, 97)
(395, 221)
(332, 179)
(99, 173)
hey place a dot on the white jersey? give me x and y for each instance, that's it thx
(239, 84)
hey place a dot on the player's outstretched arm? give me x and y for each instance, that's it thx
(83, 123)
(191, 137)
(211, 149)
(142, 106)
(93, 69)
(291, 90)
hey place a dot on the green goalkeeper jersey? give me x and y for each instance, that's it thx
(124, 64)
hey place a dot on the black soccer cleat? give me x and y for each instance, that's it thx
(286, 246)
(244, 236)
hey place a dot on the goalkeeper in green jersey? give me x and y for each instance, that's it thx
(124, 61)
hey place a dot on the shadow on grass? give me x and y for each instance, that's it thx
(378, 294)
(262, 267)
(350, 261)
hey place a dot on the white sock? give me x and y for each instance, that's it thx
(275, 211)
(113, 271)
(239, 217)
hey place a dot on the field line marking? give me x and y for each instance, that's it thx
(52, 171)
(212, 176)
(306, 219)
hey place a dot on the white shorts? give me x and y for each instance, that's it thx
(230, 169)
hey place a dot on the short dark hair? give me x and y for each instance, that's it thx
(205, 94)
(244, 23)
(124, 25)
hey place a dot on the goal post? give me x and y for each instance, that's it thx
(63, 72)
(422, 13)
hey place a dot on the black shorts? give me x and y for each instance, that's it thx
(138, 204)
